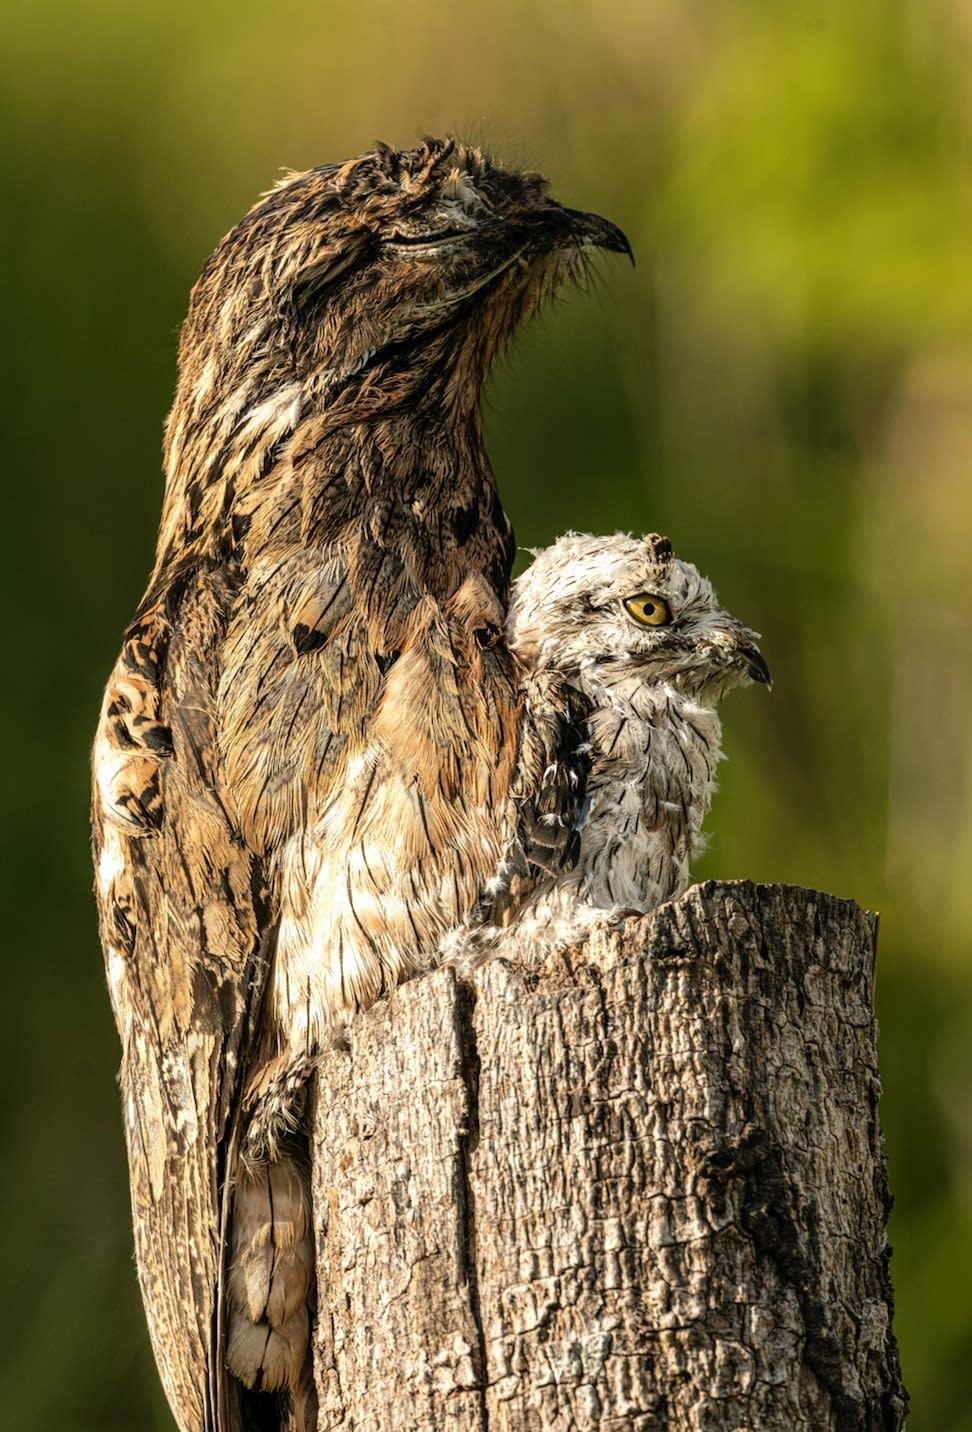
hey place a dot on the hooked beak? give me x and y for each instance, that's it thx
(600, 233)
(756, 669)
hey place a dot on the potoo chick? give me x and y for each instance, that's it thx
(314, 715)
(625, 653)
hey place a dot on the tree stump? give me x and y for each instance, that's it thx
(641, 1188)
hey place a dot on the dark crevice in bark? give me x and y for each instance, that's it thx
(466, 1229)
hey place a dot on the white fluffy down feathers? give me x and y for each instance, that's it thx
(653, 735)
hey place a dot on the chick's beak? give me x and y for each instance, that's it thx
(756, 669)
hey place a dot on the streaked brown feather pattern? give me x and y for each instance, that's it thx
(304, 770)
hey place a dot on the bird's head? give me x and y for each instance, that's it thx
(605, 610)
(393, 273)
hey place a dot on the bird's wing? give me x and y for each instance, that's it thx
(548, 793)
(185, 924)
(369, 718)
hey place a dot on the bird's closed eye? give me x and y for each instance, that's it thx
(648, 610)
(414, 240)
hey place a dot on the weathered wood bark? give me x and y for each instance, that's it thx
(644, 1188)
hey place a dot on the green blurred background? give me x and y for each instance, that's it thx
(782, 385)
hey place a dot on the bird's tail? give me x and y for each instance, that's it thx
(270, 1282)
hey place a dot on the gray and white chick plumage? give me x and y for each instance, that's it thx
(625, 653)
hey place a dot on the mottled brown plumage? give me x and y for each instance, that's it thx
(313, 719)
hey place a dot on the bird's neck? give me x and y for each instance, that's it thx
(658, 736)
(654, 752)
(265, 471)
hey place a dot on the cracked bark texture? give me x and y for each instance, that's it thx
(642, 1188)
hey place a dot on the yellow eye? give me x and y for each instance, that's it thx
(648, 609)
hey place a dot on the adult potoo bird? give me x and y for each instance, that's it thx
(313, 716)
(624, 653)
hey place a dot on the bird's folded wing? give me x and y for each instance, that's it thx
(184, 920)
(548, 792)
